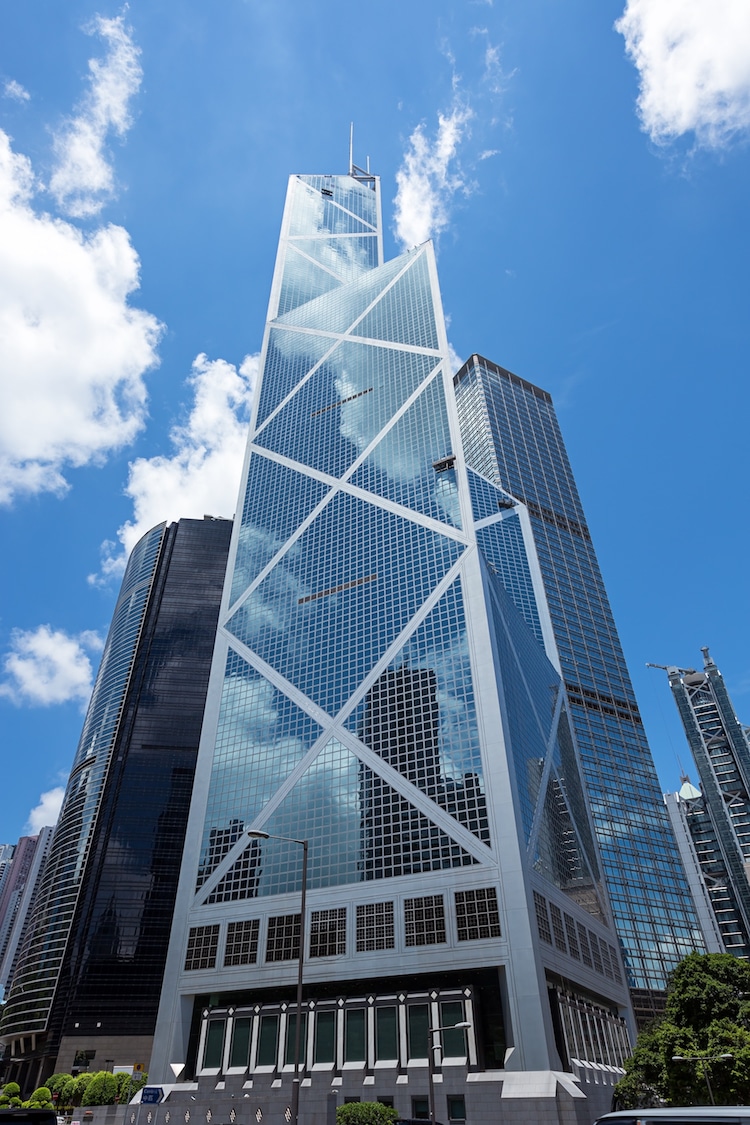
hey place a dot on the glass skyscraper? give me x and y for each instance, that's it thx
(86, 985)
(511, 436)
(718, 816)
(380, 689)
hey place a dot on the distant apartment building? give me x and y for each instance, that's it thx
(6, 856)
(14, 918)
(88, 973)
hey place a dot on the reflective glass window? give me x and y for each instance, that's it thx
(386, 1033)
(291, 1025)
(325, 1037)
(214, 1044)
(456, 1107)
(268, 1040)
(240, 1049)
(354, 1035)
(454, 1041)
(417, 1026)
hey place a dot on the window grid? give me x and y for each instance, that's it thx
(542, 918)
(203, 943)
(375, 926)
(328, 932)
(557, 928)
(570, 930)
(477, 914)
(242, 943)
(424, 920)
(282, 943)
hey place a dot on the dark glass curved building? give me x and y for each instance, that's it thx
(101, 919)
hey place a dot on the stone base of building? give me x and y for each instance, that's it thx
(501, 1097)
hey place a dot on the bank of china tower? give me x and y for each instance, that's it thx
(384, 687)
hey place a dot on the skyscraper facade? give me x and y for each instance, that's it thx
(86, 986)
(511, 435)
(718, 815)
(380, 692)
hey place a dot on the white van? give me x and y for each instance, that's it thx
(677, 1115)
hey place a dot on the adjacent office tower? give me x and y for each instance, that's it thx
(717, 817)
(511, 435)
(86, 986)
(380, 690)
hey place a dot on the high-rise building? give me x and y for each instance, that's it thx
(511, 436)
(22, 866)
(380, 692)
(719, 909)
(86, 984)
(14, 910)
(6, 858)
(717, 816)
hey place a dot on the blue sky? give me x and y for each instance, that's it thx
(587, 186)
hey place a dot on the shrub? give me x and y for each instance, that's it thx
(41, 1098)
(365, 1113)
(11, 1089)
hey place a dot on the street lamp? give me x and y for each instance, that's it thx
(256, 834)
(431, 1046)
(703, 1059)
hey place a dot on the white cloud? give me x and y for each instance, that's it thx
(694, 62)
(47, 666)
(45, 814)
(74, 351)
(429, 177)
(82, 180)
(203, 475)
(15, 90)
(432, 170)
(455, 358)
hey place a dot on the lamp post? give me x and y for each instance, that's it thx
(431, 1046)
(703, 1059)
(258, 835)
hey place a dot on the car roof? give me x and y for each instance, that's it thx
(692, 1113)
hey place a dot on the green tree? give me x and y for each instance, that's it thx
(57, 1082)
(128, 1085)
(41, 1098)
(365, 1113)
(11, 1090)
(707, 1015)
(75, 1090)
(102, 1089)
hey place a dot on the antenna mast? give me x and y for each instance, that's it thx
(351, 148)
